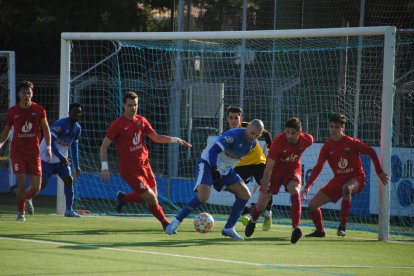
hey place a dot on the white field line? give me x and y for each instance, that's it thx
(281, 266)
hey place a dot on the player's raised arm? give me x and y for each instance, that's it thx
(315, 172)
(267, 174)
(103, 152)
(367, 150)
(164, 139)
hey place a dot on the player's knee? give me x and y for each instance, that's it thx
(312, 206)
(347, 191)
(36, 188)
(68, 180)
(203, 197)
(244, 195)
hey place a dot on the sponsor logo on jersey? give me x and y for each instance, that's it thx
(228, 139)
(27, 127)
(292, 158)
(57, 129)
(136, 139)
(139, 124)
(34, 114)
(343, 163)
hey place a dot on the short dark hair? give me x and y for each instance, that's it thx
(129, 95)
(337, 118)
(74, 105)
(25, 84)
(294, 123)
(234, 109)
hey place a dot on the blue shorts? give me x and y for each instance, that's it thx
(49, 169)
(204, 175)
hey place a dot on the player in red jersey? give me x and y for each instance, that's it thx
(127, 133)
(283, 168)
(26, 118)
(343, 155)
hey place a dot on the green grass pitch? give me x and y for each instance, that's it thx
(47, 244)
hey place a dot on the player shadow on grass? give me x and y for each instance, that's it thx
(159, 243)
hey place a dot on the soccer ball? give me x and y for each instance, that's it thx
(203, 222)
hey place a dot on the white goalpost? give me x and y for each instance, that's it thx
(97, 68)
(8, 90)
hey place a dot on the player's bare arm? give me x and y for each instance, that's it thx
(164, 139)
(5, 135)
(103, 152)
(46, 134)
(267, 174)
(385, 178)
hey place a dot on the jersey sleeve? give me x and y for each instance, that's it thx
(112, 131)
(318, 167)
(9, 118)
(225, 141)
(367, 150)
(56, 129)
(42, 112)
(148, 129)
(308, 139)
(75, 149)
(275, 148)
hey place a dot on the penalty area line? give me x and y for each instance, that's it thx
(298, 267)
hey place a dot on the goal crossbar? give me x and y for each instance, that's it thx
(328, 32)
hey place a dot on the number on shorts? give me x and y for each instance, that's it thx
(16, 167)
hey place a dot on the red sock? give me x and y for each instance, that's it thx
(134, 196)
(345, 207)
(157, 211)
(21, 205)
(255, 214)
(295, 210)
(316, 216)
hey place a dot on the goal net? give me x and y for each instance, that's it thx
(7, 98)
(185, 81)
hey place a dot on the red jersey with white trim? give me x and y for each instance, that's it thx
(26, 125)
(128, 137)
(344, 158)
(287, 155)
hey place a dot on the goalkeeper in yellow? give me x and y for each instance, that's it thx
(252, 165)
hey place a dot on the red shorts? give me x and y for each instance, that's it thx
(26, 164)
(140, 179)
(279, 179)
(334, 187)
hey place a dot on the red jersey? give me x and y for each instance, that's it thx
(128, 137)
(26, 125)
(287, 155)
(344, 158)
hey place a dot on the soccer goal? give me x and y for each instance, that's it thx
(186, 80)
(7, 99)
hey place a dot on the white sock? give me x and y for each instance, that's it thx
(268, 213)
